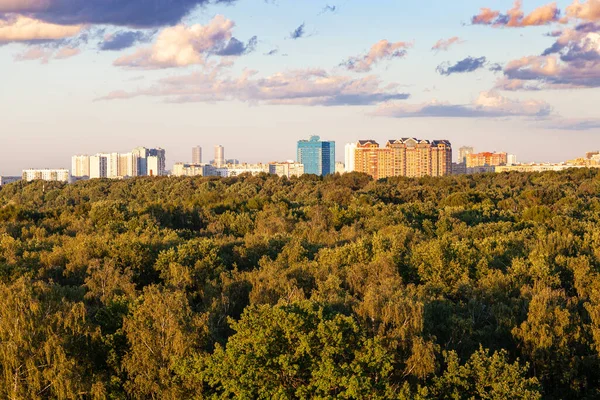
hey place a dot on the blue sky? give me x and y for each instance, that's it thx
(188, 82)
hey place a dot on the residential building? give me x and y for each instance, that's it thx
(142, 154)
(287, 169)
(98, 166)
(318, 157)
(230, 170)
(463, 152)
(157, 162)
(57, 175)
(511, 159)
(589, 155)
(536, 167)
(340, 167)
(459, 168)
(128, 165)
(184, 169)
(80, 166)
(219, 156)
(485, 158)
(370, 159)
(404, 157)
(5, 180)
(197, 155)
(350, 154)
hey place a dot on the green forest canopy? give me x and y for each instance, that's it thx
(464, 287)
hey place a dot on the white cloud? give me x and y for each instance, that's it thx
(181, 46)
(22, 29)
(487, 105)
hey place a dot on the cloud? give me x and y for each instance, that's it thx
(576, 64)
(445, 44)
(25, 29)
(238, 48)
(134, 13)
(469, 64)
(516, 18)
(572, 124)
(572, 62)
(124, 39)
(588, 10)
(382, 50)
(298, 32)
(182, 46)
(487, 105)
(45, 55)
(308, 87)
(328, 9)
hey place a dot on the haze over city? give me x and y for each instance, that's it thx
(256, 76)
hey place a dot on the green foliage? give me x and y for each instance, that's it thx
(466, 287)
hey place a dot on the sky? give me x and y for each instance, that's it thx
(89, 76)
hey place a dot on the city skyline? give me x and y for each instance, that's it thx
(496, 75)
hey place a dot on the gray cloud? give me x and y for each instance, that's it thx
(573, 124)
(135, 13)
(469, 64)
(487, 105)
(298, 32)
(124, 39)
(236, 47)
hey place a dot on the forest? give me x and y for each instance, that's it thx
(464, 287)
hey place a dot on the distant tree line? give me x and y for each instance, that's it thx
(464, 287)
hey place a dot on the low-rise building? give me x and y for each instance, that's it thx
(287, 169)
(5, 180)
(185, 169)
(57, 175)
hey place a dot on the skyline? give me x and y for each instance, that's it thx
(517, 79)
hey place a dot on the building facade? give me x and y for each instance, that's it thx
(139, 162)
(197, 155)
(485, 159)
(404, 157)
(54, 175)
(318, 157)
(463, 152)
(349, 156)
(287, 169)
(5, 180)
(219, 155)
(80, 166)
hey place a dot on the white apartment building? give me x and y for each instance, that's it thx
(184, 169)
(56, 175)
(80, 166)
(98, 167)
(350, 157)
(139, 162)
(287, 169)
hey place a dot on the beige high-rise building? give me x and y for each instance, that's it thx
(404, 157)
(197, 155)
(486, 159)
(80, 166)
(219, 155)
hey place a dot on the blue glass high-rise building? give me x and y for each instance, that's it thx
(317, 157)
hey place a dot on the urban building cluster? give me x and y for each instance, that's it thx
(139, 162)
(409, 157)
(222, 167)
